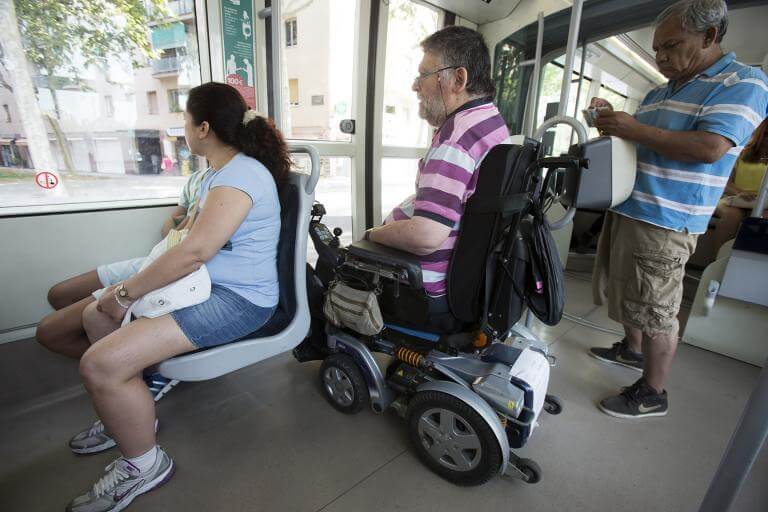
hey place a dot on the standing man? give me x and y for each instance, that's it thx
(688, 134)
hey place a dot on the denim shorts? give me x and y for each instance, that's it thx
(225, 317)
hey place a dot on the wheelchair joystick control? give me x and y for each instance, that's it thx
(335, 243)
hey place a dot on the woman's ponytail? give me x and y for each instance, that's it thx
(258, 138)
(234, 124)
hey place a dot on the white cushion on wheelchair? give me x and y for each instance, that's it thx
(532, 367)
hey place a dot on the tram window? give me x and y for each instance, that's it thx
(322, 65)
(334, 191)
(558, 139)
(614, 98)
(509, 78)
(398, 181)
(93, 97)
(409, 23)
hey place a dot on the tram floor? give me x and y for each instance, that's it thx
(263, 439)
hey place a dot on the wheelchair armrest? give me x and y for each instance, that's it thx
(407, 265)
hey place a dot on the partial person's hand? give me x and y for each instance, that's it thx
(108, 305)
(747, 196)
(600, 103)
(619, 124)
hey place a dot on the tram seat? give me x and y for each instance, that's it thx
(290, 323)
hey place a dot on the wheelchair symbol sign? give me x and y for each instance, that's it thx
(46, 180)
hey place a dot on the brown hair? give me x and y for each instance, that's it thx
(223, 107)
(751, 153)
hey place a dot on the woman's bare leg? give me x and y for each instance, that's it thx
(112, 369)
(62, 331)
(74, 289)
(97, 324)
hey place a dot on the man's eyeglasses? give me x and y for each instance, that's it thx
(422, 76)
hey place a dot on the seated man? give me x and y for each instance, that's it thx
(455, 95)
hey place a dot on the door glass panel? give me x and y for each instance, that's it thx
(318, 48)
(408, 24)
(103, 115)
(334, 191)
(398, 181)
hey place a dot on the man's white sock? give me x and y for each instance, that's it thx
(144, 462)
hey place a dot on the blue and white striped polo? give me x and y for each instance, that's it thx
(730, 99)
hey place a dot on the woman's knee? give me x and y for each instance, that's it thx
(48, 332)
(97, 369)
(58, 296)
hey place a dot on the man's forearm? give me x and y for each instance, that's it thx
(419, 235)
(398, 235)
(685, 146)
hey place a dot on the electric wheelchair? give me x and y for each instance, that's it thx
(468, 397)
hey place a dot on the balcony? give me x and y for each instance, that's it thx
(175, 9)
(167, 65)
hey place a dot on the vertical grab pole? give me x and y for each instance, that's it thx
(535, 77)
(275, 14)
(570, 55)
(762, 197)
(743, 448)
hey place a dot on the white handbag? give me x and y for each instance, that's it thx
(190, 290)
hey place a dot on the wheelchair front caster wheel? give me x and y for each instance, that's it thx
(343, 384)
(452, 439)
(552, 404)
(530, 469)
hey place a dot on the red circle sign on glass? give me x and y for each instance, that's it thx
(46, 179)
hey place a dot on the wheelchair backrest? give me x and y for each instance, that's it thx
(502, 176)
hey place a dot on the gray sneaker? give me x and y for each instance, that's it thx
(121, 483)
(94, 439)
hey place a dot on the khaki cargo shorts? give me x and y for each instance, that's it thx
(639, 273)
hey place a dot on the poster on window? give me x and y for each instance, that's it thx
(237, 25)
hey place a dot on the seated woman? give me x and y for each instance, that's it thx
(742, 187)
(236, 235)
(62, 331)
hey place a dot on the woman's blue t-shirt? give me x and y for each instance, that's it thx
(247, 264)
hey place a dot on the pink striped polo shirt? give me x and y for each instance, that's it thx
(447, 177)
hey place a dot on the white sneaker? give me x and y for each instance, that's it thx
(121, 483)
(94, 439)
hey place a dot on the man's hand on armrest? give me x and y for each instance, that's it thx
(419, 235)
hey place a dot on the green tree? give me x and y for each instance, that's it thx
(61, 38)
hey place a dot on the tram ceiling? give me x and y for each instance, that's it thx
(599, 19)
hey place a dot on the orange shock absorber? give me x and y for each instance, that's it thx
(409, 356)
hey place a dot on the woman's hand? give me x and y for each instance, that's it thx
(747, 196)
(109, 306)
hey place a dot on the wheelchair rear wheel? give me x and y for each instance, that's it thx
(343, 384)
(452, 439)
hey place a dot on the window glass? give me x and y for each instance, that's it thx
(103, 113)
(398, 181)
(408, 24)
(334, 191)
(321, 66)
(511, 85)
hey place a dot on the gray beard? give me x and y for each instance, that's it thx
(432, 110)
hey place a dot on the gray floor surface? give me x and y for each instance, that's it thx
(263, 439)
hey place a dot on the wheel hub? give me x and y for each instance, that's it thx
(338, 386)
(449, 439)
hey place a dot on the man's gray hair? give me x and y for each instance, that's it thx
(699, 15)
